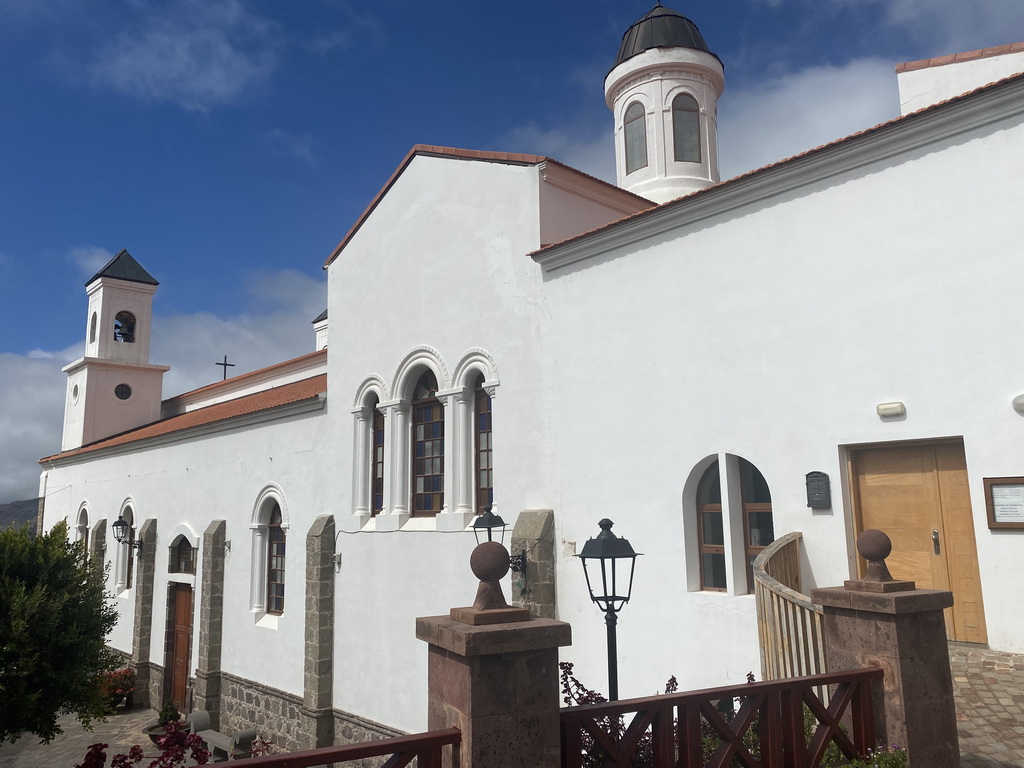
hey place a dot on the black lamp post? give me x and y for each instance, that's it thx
(488, 521)
(121, 527)
(610, 550)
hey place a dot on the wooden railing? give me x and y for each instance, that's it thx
(788, 623)
(778, 723)
(425, 748)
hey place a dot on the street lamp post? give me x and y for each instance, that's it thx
(608, 549)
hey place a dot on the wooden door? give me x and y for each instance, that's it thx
(918, 495)
(181, 638)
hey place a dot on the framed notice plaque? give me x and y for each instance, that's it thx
(1004, 497)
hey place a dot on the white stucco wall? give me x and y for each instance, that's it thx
(920, 88)
(771, 332)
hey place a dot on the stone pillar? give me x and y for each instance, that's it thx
(890, 624)
(494, 675)
(534, 534)
(211, 620)
(148, 687)
(316, 718)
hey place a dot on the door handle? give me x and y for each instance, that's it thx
(935, 541)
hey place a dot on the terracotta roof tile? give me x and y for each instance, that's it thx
(254, 403)
(785, 161)
(981, 53)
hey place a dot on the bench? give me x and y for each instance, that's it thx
(221, 745)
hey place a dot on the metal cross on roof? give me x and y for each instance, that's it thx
(225, 365)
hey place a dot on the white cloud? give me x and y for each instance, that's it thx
(587, 147)
(89, 259)
(277, 326)
(778, 118)
(198, 54)
(947, 27)
(303, 147)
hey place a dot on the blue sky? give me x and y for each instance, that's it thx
(229, 145)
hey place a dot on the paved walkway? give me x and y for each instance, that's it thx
(122, 730)
(989, 690)
(988, 685)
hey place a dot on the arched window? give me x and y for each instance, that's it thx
(376, 460)
(758, 526)
(183, 557)
(82, 530)
(124, 327)
(275, 561)
(686, 128)
(711, 531)
(427, 447)
(635, 126)
(126, 552)
(482, 447)
(92, 329)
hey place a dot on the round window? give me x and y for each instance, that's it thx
(74, 394)
(123, 391)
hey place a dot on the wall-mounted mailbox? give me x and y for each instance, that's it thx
(819, 491)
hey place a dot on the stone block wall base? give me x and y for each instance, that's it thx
(207, 695)
(316, 727)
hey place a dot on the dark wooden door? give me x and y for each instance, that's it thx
(180, 643)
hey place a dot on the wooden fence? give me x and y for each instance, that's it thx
(426, 748)
(788, 623)
(777, 724)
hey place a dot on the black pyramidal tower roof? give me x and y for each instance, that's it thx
(124, 267)
(660, 28)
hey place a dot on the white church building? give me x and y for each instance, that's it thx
(676, 353)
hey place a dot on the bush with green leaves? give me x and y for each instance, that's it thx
(55, 616)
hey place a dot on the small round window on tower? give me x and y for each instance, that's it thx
(123, 391)
(74, 394)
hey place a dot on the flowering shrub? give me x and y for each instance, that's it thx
(119, 683)
(882, 757)
(177, 746)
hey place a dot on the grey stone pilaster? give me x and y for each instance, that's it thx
(40, 511)
(142, 632)
(211, 621)
(316, 715)
(98, 543)
(534, 533)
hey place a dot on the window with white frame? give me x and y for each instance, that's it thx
(269, 538)
(82, 530)
(635, 135)
(749, 507)
(125, 559)
(483, 447)
(427, 447)
(686, 129)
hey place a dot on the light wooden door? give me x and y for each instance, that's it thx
(180, 643)
(918, 495)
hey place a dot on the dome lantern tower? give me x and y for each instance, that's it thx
(663, 92)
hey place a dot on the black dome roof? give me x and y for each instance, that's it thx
(660, 28)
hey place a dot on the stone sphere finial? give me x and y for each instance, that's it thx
(874, 544)
(489, 561)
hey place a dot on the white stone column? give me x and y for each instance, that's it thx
(398, 481)
(732, 524)
(258, 581)
(458, 468)
(361, 470)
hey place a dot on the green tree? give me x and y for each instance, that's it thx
(54, 620)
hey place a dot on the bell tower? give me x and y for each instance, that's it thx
(663, 92)
(114, 388)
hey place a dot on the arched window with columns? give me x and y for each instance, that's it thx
(124, 568)
(482, 447)
(82, 529)
(269, 535)
(427, 447)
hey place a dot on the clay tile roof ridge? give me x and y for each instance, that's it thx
(952, 58)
